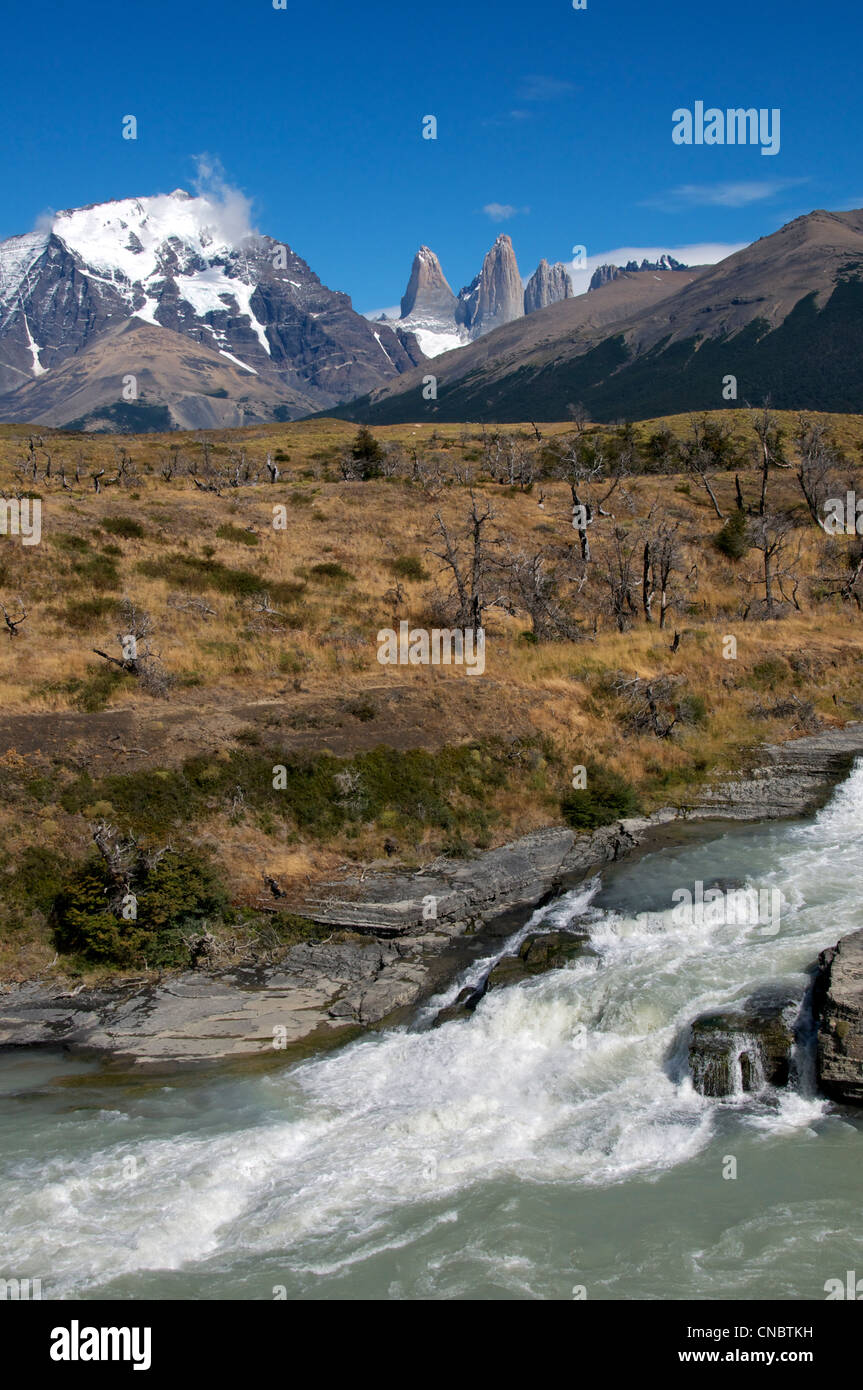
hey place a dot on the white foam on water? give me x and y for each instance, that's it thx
(566, 1079)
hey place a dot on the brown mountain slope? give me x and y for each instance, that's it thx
(180, 384)
(581, 321)
(784, 316)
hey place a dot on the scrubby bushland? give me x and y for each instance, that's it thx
(408, 791)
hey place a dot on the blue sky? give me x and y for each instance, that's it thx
(558, 121)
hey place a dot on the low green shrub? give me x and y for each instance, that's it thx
(180, 892)
(733, 539)
(125, 526)
(607, 797)
(408, 567)
(237, 534)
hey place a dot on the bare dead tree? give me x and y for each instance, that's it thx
(470, 571)
(13, 624)
(138, 657)
(661, 561)
(698, 459)
(120, 856)
(848, 586)
(591, 483)
(649, 704)
(617, 567)
(818, 461)
(169, 464)
(273, 469)
(773, 536)
(198, 606)
(770, 449)
(535, 587)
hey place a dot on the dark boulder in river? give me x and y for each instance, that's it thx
(538, 952)
(736, 1050)
(838, 1007)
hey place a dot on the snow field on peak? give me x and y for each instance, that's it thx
(17, 256)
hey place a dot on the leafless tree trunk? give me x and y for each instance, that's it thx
(470, 572)
(817, 461)
(697, 458)
(13, 624)
(769, 437)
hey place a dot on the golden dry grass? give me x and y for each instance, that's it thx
(324, 643)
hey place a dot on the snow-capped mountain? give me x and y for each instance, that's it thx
(176, 262)
(429, 307)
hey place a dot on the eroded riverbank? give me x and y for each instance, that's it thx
(396, 939)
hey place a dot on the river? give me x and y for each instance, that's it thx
(551, 1147)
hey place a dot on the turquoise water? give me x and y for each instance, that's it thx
(553, 1143)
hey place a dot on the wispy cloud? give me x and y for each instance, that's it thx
(539, 88)
(737, 194)
(502, 212)
(534, 91)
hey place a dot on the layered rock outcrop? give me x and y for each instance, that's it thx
(838, 1006)
(604, 273)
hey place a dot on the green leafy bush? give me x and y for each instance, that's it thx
(408, 567)
(693, 710)
(99, 573)
(607, 797)
(83, 613)
(125, 526)
(733, 539)
(180, 892)
(37, 878)
(331, 569)
(198, 575)
(770, 672)
(365, 448)
(227, 532)
(92, 694)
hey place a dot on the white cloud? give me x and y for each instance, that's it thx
(502, 212)
(699, 253)
(45, 221)
(720, 195)
(232, 210)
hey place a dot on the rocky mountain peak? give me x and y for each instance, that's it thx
(427, 291)
(191, 266)
(548, 285)
(604, 273)
(496, 296)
